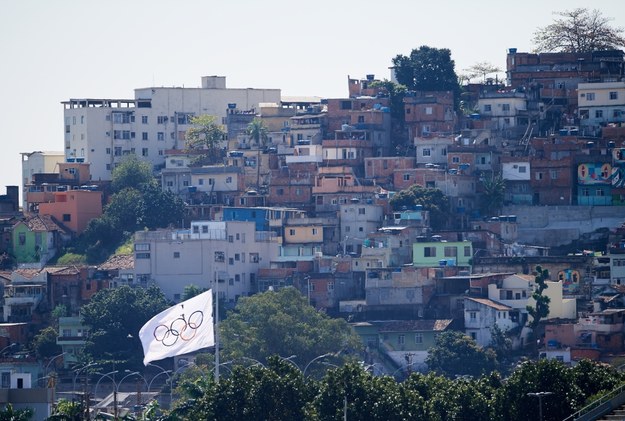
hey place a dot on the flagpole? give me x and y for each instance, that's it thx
(216, 330)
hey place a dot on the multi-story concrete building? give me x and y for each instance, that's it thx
(38, 162)
(600, 104)
(225, 256)
(102, 131)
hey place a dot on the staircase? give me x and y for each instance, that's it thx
(616, 415)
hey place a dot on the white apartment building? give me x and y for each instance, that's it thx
(601, 103)
(102, 131)
(223, 255)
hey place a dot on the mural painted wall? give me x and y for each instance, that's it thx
(592, 173)
(570, 279)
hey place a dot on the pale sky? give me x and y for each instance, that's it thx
(54, 50)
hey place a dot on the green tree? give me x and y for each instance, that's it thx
(595, 378)
(579, 31)
(114, 317)
(159, 208)
(514, 403)
(396, 94)
(432, 200)
(205, 137)
(282, 323)
(427, 69)
(257, 130)
(493, 193)
(455, 353)
(131, 173)
(44, 343)
(500, 342)
(191, 291)
(8, 413)
(66, 410)
(541, 308)
(125, 210)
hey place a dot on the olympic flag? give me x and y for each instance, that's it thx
(183, 328)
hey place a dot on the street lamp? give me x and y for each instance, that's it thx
(540, 396)
(45, 372)
(171, 385)
(78, 372)
(313, 360)
(130, 373)
(290, 359)
(254, 361)
(7, 347)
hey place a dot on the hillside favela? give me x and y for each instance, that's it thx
(434, 244)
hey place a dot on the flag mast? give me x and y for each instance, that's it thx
(216, 329)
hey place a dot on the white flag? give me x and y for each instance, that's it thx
(180, 329)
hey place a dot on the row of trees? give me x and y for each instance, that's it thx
(279, 391)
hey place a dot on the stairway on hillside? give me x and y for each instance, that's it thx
(616, 415)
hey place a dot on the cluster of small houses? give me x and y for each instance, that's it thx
(309, 207)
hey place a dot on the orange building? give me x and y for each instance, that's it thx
(74, 208)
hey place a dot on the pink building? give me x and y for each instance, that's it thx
(74, 208)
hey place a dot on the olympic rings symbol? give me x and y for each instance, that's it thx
(179, 328)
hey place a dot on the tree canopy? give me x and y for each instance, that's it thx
(578, 31)
(282, 323)
(455, 353)
(278, 390)
(432, 200)
(131, 172)
(205, 137)
(540, 309)
(427, 69)
(114, 317)
(493, 194)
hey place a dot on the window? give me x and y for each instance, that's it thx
(428, 110)
(472, 315)
(467, 251)
(314, 231)
(254, 257)
(118, 151)
(142, 255)
(361, 118)
(67, 217)
(231, 239)
(361, 211)
(451, 251)
(176, 255)
(613, 95)
(228, 180)
(144, 119)
(553, 174)
(22, 238)
(144, 151)
(108, 151)
(161, 119)
(237, 278)
(291, 232)
(142, 247)
(144, 136)
(539, 176)
(346, 105)
(487, 108)
(429, 252)
(522, 169)
(237, 257)
(160, 136)
(418, 338)
(426, 152)
(406, 177)
(401, 339)
(590, 96)
(505, 107)
(231, 261)
(201, 181)
(600, 192)
(598, 113)
(455, 159)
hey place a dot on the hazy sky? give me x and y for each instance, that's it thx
(51, 51)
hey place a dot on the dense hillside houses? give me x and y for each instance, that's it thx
(530, 173)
